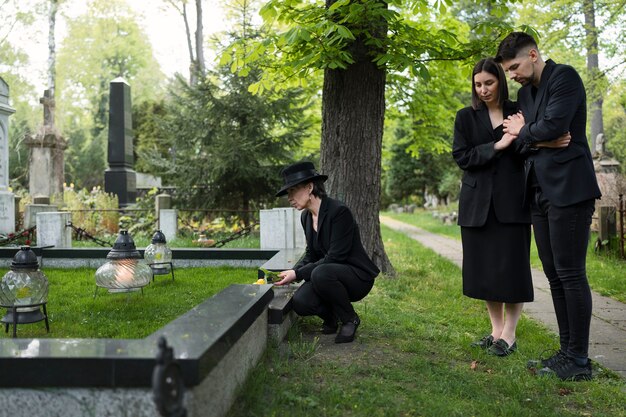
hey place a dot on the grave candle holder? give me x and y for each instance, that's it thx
(159, 256)
(125, 270)
(24, 291)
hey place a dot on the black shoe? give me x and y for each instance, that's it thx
(348, 331)
(545, 363)
(484, 343)
(501, 348)
(566, 369)
(329, 327)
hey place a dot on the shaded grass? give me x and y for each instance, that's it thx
(605, 270)
(412, 358)
(75, 313)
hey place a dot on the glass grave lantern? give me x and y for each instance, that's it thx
(24, 291)
(159, 256)
(125, 269)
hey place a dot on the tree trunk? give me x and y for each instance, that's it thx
(595, 107)
(353, 114)
(199, 39)
(52, 16)
(192, 61)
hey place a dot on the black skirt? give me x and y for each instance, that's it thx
(496, 261)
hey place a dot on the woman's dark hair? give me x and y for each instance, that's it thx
(490, 66)
(512, 45)
(318, 188)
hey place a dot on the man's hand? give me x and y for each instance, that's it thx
(560, 142)
(514, 123)
(287, 277)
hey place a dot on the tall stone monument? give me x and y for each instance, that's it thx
(7, 199)
(120, 178)
(46, 172)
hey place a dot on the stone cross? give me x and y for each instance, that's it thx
(48, 108)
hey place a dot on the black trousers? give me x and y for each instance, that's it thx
(330, 292)
(562, 237)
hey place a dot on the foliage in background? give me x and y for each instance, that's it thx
(221, 145)
(110, 44)
(615, 122)
(87, 208)
(16, 16)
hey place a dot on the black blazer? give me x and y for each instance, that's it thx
(489, 175)
(566, 175)
(337, 241)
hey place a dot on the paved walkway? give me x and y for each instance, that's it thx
(608, 322)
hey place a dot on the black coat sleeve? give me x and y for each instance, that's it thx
(467, 155)
(339, 246)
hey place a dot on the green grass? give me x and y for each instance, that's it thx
(75, 313)
(412, 358)
(605, 271)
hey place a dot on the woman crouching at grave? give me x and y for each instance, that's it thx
(336, 269)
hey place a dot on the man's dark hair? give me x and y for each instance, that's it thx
(513, 44)
(489, 65)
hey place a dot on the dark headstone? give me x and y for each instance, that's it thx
(120, 178)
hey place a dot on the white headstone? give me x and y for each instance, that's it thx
(52, 229)
(7, 212)
(168, 223)
(31, 210)
(7, 199)
(281, 228)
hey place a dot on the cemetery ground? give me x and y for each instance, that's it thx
(74, 312)
(605, 270)
(412, 357)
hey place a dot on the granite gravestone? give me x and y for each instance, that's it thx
(120, 178)
(7, 199)
(46, 172)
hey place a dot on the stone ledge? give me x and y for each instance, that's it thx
(200, 338)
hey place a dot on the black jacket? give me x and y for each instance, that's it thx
(489, 175)
(566, 175)
(338, 240)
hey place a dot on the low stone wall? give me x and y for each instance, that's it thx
(216, 343)
(181, 257)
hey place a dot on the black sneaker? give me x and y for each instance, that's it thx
(484, 343)
(545, 363)
(566, 369)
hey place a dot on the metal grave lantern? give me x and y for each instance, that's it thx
(24, 291)
(125, 269)
(159, 256)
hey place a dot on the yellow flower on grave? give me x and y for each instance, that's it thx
(260, 281)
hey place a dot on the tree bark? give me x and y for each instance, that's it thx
(593, 68)
(199, 39)
(353, 114)
(52, 15)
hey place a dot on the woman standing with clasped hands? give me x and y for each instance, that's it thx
(495, 228)
(495, 223)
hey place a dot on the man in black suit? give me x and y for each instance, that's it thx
(561, 187)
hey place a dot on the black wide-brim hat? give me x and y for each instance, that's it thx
(297, 174)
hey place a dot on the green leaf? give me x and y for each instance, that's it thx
(338, 4)
(344, 32)
(225, 58)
